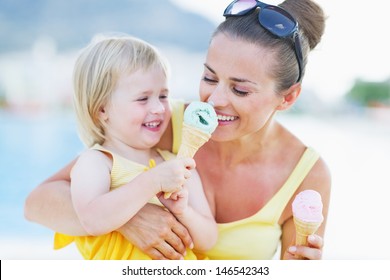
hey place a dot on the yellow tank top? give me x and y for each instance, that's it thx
(113, 246)
(258, 236)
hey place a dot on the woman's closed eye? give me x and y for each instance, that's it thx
(210, 81)
(239, 92)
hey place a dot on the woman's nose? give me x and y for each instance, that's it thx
(211, 103)
(218, 97)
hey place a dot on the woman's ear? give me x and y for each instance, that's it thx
(289, 97)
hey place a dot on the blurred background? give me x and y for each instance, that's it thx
(343, 111)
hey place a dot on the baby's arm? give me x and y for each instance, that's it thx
(193, 211)
(101, 210)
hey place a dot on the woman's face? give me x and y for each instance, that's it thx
(236, 79)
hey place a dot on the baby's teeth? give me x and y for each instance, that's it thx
(153, 124)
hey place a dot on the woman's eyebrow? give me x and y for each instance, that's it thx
(238, 80)
(209, 68)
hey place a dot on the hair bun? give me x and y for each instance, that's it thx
(310, 17)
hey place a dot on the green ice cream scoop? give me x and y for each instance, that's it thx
(202, 116)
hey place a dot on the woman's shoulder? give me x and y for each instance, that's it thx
(319, 177)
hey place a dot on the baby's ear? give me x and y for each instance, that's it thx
(102, 114)
(289, 97)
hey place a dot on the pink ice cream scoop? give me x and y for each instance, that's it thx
(307, 206)
(307, 212)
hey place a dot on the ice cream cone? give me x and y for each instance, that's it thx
(307, 212)
(192, 139)
(200, 120)
(303, 230)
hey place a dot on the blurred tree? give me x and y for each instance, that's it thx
(3, 100)
(368, 93)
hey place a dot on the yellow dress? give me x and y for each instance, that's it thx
(113, 246)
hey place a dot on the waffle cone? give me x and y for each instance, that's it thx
(303, 230)
(192, 139)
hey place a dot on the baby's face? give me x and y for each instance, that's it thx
(138, 111)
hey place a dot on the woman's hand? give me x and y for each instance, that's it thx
(313, 251)
(157, 233)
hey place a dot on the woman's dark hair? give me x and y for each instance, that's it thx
(311, 21)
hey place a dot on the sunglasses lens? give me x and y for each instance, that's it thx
(274, 19)
(277, 21)
(237, 7)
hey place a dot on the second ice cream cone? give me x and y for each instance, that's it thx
(307, 212)
(303, 230)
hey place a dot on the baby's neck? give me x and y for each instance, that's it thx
(141, 156)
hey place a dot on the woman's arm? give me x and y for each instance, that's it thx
(157, 233)
(318, 179)
(50, 204)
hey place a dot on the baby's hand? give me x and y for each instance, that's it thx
(171, 175)
(177, 203)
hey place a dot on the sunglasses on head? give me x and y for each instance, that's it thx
(276, 20)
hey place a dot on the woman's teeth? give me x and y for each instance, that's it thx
(226, 118)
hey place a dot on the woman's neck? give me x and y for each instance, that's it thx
(247, 147)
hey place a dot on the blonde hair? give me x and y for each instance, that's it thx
(96, 73)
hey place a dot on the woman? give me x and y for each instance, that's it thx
(252, 167)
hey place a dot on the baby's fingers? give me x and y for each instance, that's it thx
(189, 163)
